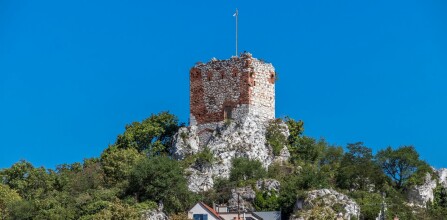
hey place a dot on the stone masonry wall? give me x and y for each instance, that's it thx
(244, 85)
(262, 97)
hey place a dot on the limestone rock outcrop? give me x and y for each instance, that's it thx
(442, 174)
(244, 137)
(186, 142)
(421, 195)
(270, 185)
(154, 214)
(245, 196)
(326, 203)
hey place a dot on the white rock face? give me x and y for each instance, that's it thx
(421, 195)
(327, 199)
(246, 197)
(239, 138)
(154, 215)
(270, 185)
(442, 173)
(186, 142)
(200, 180)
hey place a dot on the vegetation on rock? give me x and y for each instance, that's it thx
(137, 173)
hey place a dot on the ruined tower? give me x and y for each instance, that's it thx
(233, 89)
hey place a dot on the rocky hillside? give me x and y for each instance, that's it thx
(156, 169)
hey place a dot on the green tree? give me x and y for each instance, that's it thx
(89, 176)
(369, 202)
(266, 201)
(358, 170)
(275, 137)
(438, 208)
(289, 193)
(220, 193)
(23, 210)
(160, 179)
(28, 181)
(117, 163)
(311, 177)
(307, 150)
(440, 196)
(54, 205)
(330, 163)
(153, 135)
(296, 129)
(402, 165)
(280, 171)
(117, 210)
(7, 198)
(244, 169)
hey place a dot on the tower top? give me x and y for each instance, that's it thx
(232, 89)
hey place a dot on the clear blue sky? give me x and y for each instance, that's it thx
(74, 73)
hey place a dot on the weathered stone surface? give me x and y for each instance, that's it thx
(328, 202)
(230, 89)
(154, 214)
(186, 142)
(231, 103)
(243, 137)
(200, 180)
(270, 185)
(442, 173)
(421, 195)
(244, 196)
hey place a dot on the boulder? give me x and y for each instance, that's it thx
(326, 203)
(244, 196)
(154, 214)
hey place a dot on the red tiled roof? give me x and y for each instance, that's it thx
(210, 210)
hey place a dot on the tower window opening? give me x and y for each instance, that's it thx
(209, 76)
(228, 113)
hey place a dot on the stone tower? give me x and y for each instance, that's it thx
(232, 89)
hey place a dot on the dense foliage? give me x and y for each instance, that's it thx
(137, 173)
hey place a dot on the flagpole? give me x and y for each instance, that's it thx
(237, 15)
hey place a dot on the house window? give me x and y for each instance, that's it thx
(200, 217)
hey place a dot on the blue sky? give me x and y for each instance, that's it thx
(74, 73)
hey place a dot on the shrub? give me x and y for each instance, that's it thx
(244, 169)
(275, 138)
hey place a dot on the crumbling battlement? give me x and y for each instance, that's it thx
(230, 89)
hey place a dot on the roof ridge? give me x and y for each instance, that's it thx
(210, 210)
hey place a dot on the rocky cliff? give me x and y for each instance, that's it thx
(237, 138)
(422, 194)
